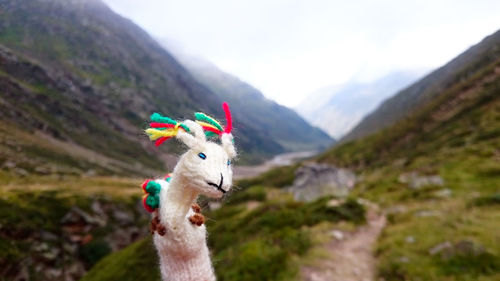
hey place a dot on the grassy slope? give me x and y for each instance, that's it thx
(429, 88)
(457, 137)
(257, 112)
(263, 242)
(29, 206)
(114, 75)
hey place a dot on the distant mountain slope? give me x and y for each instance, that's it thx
(260, 115)
(436, 174)
(87, 79)
(430, 87)
(337, 109)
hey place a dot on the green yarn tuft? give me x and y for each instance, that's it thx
(156, 117)
(153, 201)
(153, 188)
(205, 118)
(209, 134)
(185, 128)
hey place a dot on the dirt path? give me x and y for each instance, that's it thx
(351, 258)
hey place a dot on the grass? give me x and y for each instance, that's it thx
(457, 139)
(136, 262)
(263, 243)
(28, 207)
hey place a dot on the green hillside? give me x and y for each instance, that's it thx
(437, 231)
(260, 233)
(81, 77)
(429, 88)
(252, 108)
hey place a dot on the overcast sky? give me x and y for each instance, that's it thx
(290, 48)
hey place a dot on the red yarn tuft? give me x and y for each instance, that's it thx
(229, 120)
(213, 130)
(161, 125)
(149, 209)
(161, 140)
(145, 184)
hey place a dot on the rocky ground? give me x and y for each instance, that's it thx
(351, 254)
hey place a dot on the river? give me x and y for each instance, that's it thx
(285, 159)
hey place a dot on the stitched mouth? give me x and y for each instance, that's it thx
(218, 186)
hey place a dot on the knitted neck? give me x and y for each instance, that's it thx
(180, 197)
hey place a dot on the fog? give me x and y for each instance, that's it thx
(288, 49)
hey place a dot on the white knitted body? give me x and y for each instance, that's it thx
(183, 249)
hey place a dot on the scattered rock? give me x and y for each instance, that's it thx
(314, 180)
(41, 247)
(123, 237)
(440, 247)
(96, 207)
(367, 203)
(77, 215)
(70, 248)
(43, 170)
(9, 164)
(53, 273)
(51, 254)
(214, 205)
(123, 218)
(410, 239)
(337, 234)
(443, 193)
(335, 202)
(416, 181)
(252, 205)
(23, 274)
(396, 209)
(74, 271)
(465, 247)
(48, 236)
(404, 259)
(21, 172)
(468, 247)
(426, 213)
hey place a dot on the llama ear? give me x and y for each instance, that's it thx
(190, 140)
(228, 144)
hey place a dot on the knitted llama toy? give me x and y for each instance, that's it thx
(178, 229)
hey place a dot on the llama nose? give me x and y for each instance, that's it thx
(221, 180)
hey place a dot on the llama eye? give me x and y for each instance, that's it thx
(228, 162)
(202, 155)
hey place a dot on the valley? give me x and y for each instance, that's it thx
(410, 192)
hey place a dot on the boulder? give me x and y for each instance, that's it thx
(314, 180)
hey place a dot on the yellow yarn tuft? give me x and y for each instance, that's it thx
(204, 124)
(155, 134)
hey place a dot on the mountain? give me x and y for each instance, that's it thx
(337, 109)
(435, 171)
(252, 108)
(79, 83)
(429, 88)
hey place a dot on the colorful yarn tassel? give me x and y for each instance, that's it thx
(163, 128)
(211, 126)
(151, 199)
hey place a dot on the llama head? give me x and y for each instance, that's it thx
(206, 167)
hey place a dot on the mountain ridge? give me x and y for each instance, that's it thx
(337, 109)
(429, 87)
(234, 90)
(100, 77)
